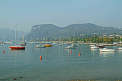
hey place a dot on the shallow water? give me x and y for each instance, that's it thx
(59, 64)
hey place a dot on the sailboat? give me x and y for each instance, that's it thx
(18, 46)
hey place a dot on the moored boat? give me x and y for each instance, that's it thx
(100, 46)
(48, 45)
(69, 47)
(94, 47)
(17, 47)
(107, 50)
(40, 46)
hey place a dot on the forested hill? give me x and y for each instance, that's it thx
(52, 31)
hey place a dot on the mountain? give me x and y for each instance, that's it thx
(51, 31)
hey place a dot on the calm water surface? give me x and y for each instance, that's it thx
(59, 64)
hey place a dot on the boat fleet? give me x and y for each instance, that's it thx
(22, 45)
(102, 48)
(67, 45)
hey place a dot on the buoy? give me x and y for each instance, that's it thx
(4, 51)
(40, 57)
(79, 54)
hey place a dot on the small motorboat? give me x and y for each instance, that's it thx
(107, 50)
(40, 46)
(48, 45)
(93, 47)
(100, 46)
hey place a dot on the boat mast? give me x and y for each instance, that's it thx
(15, 33)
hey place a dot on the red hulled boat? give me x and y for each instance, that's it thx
(17, 47)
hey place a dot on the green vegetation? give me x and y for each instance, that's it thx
(95, 39)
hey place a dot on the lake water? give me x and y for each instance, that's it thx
(59, 64)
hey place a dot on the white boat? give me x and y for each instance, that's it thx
(40, 46)
(8, 42)
(70, 47)
(93, 47)
(107, 50)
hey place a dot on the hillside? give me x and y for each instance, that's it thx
(51, 31)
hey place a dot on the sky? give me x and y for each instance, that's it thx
(23, 14)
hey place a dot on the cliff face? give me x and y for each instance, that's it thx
(51, 31)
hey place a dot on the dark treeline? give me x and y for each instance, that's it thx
(88, 39)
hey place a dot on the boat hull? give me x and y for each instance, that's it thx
(47, 45)
(16, 48)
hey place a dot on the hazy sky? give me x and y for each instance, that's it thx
(26, 13)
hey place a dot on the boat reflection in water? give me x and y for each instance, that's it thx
(107, 54)
(107, 50)
(80, 63)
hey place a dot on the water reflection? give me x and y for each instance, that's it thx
(107, 54)
(57, 63)
(79, 54)
(120, 51)
(3, 51)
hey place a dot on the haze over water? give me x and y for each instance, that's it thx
(59, 64)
